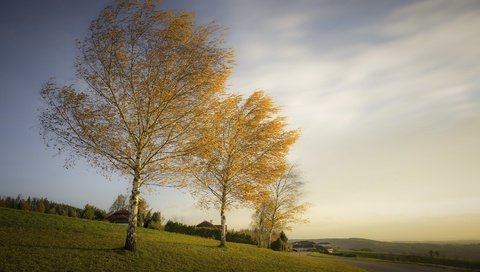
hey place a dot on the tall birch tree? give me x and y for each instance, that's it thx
(145, 79)
(244, 150)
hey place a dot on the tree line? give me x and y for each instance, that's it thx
(147, 218)
(43, 205)
(152, 106)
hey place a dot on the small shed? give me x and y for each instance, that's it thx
(119, 217)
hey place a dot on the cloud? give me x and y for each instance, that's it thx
(423, 62)
(387, 109)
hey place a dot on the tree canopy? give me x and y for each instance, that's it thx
(146, 77)
(243, 151)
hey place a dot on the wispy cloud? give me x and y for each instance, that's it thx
(385, 103)
(424, 60)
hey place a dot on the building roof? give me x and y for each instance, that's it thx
(206, 224)
(119, 217)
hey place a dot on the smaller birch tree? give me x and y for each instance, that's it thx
(244, 150)
(281, 208)
(119, 204)
(260, 223)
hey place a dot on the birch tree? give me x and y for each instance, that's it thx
(244, 150)
(261, 223)
(145, 79)
(120, 203)
(282, 207)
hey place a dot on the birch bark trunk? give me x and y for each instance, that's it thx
(131, 240)
(223, 234)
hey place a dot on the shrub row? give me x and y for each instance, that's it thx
(232, 236)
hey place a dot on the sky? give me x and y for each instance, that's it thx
(386, 94)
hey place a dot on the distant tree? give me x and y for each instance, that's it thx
(245, 144)
(282, 207)
(10, 202)
(72, 212)
(120, 203)
(143, 212)
(147, 77)
(88, 212)
(17, 201)
(281, 244)
(154, 220)
(100, 214)
(92, 212)
(23, 205)
(260, 223)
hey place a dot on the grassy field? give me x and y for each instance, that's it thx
(41, 242)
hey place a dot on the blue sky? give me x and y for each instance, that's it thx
(387, 95)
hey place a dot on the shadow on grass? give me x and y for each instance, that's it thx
(118, 250)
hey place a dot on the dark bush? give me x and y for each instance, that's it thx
(92, 212)
(281, 243)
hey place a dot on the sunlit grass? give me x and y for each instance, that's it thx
(42, 242)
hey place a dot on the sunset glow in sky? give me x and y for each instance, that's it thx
(386, 93)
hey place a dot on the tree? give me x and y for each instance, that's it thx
(72, 212)
(281, 243)
(23, 205)
(244, 150)
(282, 207)
(260, 223)
(119, 204)
(154, 220)
(143, 212)
(146, 77)
(40, 206)
(88, 212)
(91, 212)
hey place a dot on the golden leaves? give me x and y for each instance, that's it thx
(149, 76)
(244, 149)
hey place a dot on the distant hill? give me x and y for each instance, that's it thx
(466, 250)
(32, 241)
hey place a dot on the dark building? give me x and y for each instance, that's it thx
(209, 225)
(119, 217)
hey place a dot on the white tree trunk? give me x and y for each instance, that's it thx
(131, 240)
(270, 234)
(223, 232)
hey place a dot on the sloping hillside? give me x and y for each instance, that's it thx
(41, 242)
(450, 250)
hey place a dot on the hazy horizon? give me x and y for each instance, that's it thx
(386, 94)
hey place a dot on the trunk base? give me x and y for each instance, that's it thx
(130, 244)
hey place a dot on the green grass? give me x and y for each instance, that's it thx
(42, 242)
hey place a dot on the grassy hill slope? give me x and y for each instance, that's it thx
(42, 242)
